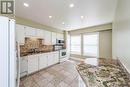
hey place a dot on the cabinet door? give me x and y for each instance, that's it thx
(56, 57)
(20, 34)
(30, 31)
(32, 63)
(50, 59)
(42, 61)
(47, 37)
(53, 38)
(23, 66)
(39, 33)
(60, 36)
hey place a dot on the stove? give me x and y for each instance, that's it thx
(63, 55)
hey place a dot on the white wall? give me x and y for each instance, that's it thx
(121, 33)
(92, 29)
(105, 44)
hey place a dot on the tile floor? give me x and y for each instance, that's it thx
(59, 75)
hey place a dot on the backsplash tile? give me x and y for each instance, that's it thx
(34, 43)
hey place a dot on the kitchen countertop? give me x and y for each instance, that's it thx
(28, 53)
(103, 73)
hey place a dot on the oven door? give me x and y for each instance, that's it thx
(62, 53)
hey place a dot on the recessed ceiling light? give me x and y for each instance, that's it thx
(50, 17)
(82, 17)
(26, 5)
(63, 22)
(71, 5)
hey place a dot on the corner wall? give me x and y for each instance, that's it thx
(121, 33)
(105, 44)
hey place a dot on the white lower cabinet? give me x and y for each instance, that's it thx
(23, 66)
(50, 59)
(53, 58)
(56, 57)
(32, 64)
(42, 61)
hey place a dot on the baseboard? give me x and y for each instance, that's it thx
(79, 59)
(124, 68)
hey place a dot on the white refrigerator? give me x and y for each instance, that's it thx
(7, 52)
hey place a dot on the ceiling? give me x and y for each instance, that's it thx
(95, 12)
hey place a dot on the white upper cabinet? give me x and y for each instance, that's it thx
(53, 37)
(20, 34)
(39, 33)
(29, 31)
(60, 36)
(47, 37)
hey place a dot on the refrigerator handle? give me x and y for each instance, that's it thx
(18, 63)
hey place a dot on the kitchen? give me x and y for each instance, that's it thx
(38, 48)
(65, 43)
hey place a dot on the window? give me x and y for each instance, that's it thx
(76, 44)
(90, 44)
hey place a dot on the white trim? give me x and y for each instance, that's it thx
(125, 67)
(79, 59)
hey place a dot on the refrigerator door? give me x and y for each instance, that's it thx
(4, 52)
(7, 52)
(12, 53)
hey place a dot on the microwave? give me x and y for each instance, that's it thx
(60, 41)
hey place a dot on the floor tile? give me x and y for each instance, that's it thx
(68, 80)
(62, 84)
(59, 75)
(42, 71)
(55, 81)
(43, 83)
(29, 83)
(48, 76)
(65, 73)
(50, 85)
(37, 77)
